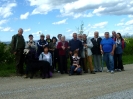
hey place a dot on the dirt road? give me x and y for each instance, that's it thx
(87, 86)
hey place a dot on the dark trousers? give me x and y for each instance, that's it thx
(118, 61)
(54, 58)
(63, 63)
(19, 58)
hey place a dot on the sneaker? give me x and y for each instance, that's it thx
(112, 72)
(58, 71)
(115, 69)
(119, 70)
(108, 71)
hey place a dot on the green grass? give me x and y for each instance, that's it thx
(127, 59)
(7, 70)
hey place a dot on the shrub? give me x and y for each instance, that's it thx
(5, 56)
(129, 46)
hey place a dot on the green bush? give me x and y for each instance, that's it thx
(6, 60)
(129, 46)
(5, 55)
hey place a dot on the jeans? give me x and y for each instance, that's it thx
(109, 60)
(78, 71)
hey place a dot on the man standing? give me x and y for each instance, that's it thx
(113, 35)
(17, 48)
(41, 44)
(96, 51)
(87, 55)
(75, 45)
(48, 38)
(107, 47)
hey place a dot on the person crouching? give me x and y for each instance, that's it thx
(75, 68)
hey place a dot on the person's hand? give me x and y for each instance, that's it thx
(14, 53)
(63, 47)
(75, 69)
(70, 52)
(52, 49)
(29, 44)
(43, 45)
(102, 52)
(112, 53)
(77, 50)
(78, 66)
(68, 47)
(85, 45)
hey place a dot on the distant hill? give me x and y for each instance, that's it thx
(7, 43)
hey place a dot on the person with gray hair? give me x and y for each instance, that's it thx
(17, 48)
(107, 47)
(96, 40)
(48, 38)
(63, 47)
(87, 55)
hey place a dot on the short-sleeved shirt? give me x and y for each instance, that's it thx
(107, 45)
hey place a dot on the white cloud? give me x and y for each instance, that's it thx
(6, 29)
(3, 22)
(69, 30)
(130, 16)
(97, 10)
(24, 16)
(129, 22)
(6, 9)
(27, 30)
(60, 22)
(83, 8)
(120, 24)
(99, 25)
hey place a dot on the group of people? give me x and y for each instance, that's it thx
(81, 51)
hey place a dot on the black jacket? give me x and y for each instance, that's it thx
(96, 46)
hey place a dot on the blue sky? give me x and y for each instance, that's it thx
(64, 16)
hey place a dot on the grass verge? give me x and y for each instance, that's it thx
(7, 70)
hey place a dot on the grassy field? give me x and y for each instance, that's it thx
(9, 70)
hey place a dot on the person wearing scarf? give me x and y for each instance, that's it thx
(120, 45)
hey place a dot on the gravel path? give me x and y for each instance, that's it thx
(87, 86)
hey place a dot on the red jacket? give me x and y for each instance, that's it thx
(59, 46)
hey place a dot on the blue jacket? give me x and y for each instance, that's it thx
(40, 44)
(75, 44)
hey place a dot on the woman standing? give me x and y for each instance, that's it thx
(63, 47)
(54, 52)
(46, 56)
(120, 45)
